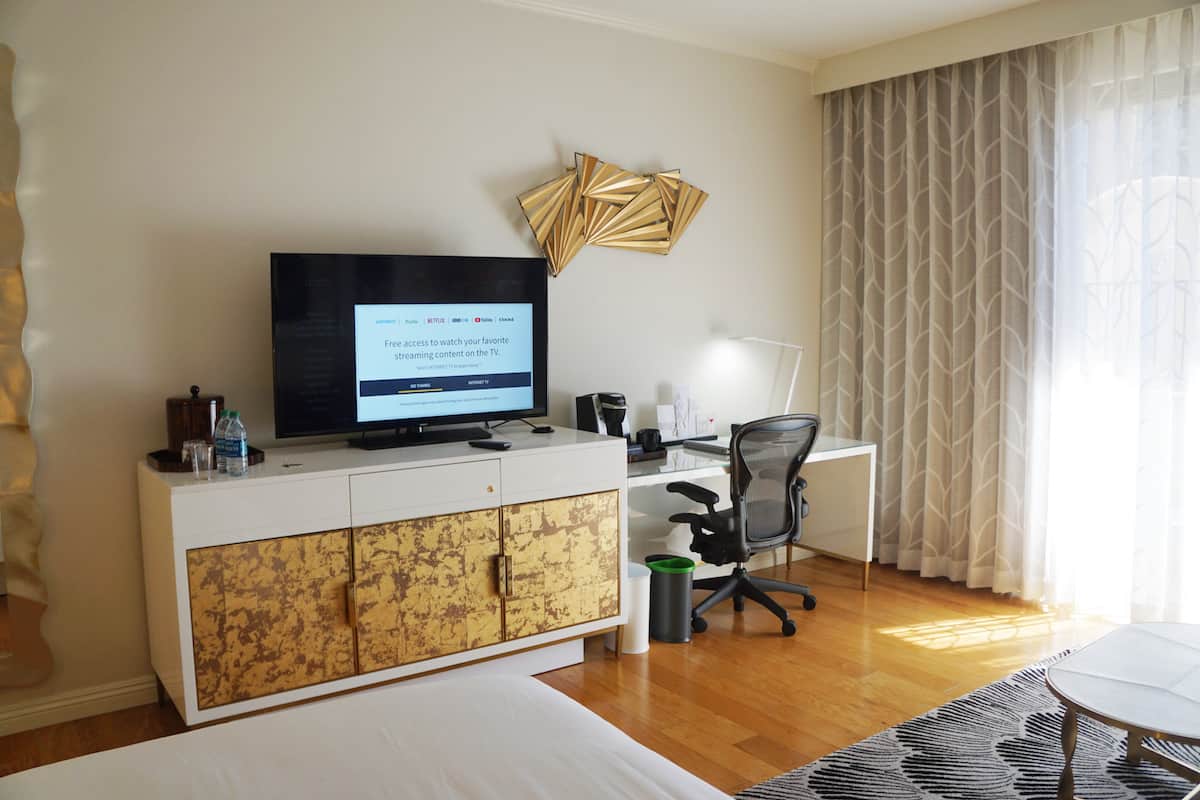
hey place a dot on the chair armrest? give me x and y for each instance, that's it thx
(697, 494)
(695, 520)
(801, 504)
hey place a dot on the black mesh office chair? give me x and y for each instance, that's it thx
(768, 504)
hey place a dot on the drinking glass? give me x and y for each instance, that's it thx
(200, 453)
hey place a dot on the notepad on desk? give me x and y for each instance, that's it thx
(713, 447)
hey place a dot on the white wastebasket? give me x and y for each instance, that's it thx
(637, 630)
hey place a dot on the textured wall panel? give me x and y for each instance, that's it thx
(28, 659)
(270, 616)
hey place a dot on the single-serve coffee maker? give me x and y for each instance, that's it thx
(603, 412)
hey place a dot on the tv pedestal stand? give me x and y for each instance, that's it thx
(417, 434)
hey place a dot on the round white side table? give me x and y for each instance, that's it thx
(1144, 679)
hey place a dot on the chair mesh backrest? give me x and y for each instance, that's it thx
(767, 456)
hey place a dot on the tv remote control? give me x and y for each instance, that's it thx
(490, 444)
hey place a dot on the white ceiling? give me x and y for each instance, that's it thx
(794, 32)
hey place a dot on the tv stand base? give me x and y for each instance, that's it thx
(410, 437)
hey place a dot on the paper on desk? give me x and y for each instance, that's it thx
(666, 422)
(685, 413)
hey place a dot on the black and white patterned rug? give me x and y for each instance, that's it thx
(1001, 742)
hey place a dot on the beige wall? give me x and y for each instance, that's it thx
(1023, 26)
(170, 146)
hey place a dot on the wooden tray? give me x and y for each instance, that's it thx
(171, 461)
(633, 458)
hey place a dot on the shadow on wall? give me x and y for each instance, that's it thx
(207, 318)
(502, 189)
(561, 409)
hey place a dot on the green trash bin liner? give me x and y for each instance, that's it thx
(671, 597)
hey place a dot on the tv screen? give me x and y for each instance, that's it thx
(367, 342)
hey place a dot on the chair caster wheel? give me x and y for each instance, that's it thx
(789, 628)
(739, 604)
(699, 625)
(810, 602)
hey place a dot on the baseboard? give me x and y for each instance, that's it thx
(76, 704)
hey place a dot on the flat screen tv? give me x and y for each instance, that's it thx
(379, 342)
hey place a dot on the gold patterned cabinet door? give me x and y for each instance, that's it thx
(426, 587)
(270, 615)
(565, 562)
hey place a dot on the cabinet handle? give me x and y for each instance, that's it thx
(501, 576)
(351, 606)
(508, 576)
(491, 488)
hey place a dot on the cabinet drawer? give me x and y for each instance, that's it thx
(261, 510)
(537, 476)
(424, 492)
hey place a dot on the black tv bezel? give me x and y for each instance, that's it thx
(538, 272)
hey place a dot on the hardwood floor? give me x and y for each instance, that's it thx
(742, 703)
(70, 739)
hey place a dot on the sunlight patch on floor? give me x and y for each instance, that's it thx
(956, 634)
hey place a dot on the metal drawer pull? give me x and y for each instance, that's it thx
(351, 605)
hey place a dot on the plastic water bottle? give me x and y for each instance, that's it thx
(219, 439)
(237, 460)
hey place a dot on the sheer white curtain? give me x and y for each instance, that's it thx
(1115, 461)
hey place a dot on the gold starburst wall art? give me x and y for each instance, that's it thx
(599, 203)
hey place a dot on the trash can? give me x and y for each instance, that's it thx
(636, 636)
(671, 597)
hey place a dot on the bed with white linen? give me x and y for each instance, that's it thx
(478, 737)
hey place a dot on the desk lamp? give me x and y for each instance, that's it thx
(799, 348)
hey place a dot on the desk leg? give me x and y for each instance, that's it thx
(1070, 732)
(866, 565)
(788, 565)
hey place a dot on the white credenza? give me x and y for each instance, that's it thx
(330, 568)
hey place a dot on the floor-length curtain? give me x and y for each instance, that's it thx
(1119, 458)
(1011, 309)
(936, 186)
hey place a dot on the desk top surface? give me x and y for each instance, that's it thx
(335, 458)
(682, 463)
(306, 461)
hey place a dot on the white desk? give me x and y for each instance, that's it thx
(841, 492)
